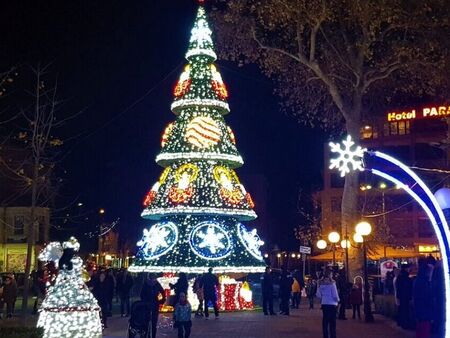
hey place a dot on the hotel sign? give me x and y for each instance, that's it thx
(427, 112)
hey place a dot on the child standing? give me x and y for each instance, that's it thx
(356, 300)
(182, 316)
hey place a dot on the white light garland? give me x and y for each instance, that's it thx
(200, 51)
(199, 269)
(184, 103)
(199, 156)
(157, 213)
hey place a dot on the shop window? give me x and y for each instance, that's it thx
(19, 223)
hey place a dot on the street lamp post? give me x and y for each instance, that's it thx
(364, 229)
(345, 243)
(334, 237)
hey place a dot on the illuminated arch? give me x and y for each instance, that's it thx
(398, 173)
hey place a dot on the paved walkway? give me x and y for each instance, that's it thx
(302, 323)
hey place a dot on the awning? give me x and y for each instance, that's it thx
(375, 253)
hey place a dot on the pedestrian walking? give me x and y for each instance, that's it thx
(209, 283)
(423, 299)
(296, 293)
(355, 299)
(182, 316)
(311, 290)
(101, 293)
(285, 292)
(198, 290)
(124, 285)
(181, 286)
(267, 292)
(329, 299)
(153, 293)
(404, 297)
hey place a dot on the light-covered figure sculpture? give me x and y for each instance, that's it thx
(69, 309)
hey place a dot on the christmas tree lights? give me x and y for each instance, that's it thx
(198, 202)
(69, 309)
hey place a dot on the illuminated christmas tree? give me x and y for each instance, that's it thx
(69, 309)
(198, 204)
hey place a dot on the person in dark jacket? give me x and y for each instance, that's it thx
(153, 293)
(355, 300)
(9, 295)
(101, 293)
(342, 286)
(404, 296)
(124, 285)
(267, 292)
(209, 284)
(423, 299)
(285, 292)
(311, 290)
(111, 285)
(181, 286)
(439, 301)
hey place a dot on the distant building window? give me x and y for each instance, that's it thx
(397, 128)
(393, 130)
(19, 223)
(335, 204)
(368, 132)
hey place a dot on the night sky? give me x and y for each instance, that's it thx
(119, 61)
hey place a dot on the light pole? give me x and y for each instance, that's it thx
(364, 229)
(345, 244)
(334, 238)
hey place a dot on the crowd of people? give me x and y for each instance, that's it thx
(419, 300)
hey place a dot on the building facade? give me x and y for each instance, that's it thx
(418, 137)
(14, 222)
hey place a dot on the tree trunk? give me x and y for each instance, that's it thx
(30, 239)
(350, 212)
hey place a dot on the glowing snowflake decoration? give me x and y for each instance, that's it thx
(158, 239)
(211, 239)
(251, 240)
(350, 157)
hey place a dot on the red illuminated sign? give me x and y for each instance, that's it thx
(426, 112)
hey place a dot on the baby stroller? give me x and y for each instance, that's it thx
(139, 320)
